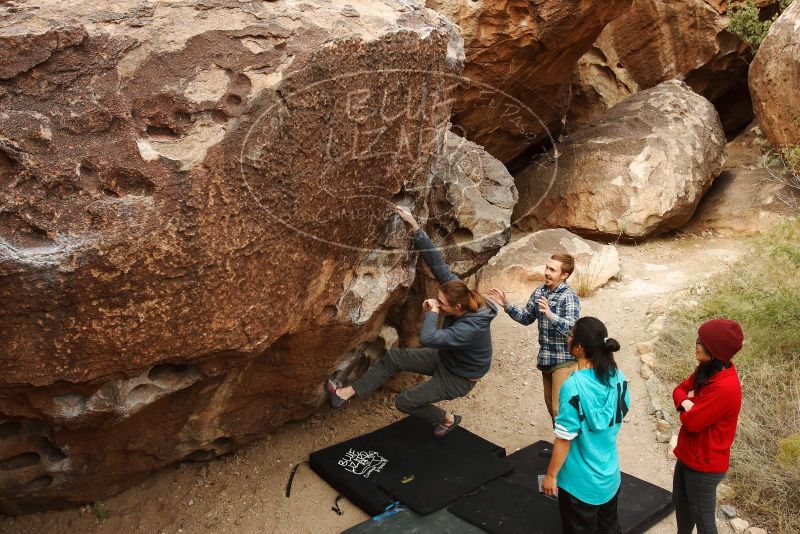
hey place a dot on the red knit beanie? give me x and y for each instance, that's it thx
(722, 338)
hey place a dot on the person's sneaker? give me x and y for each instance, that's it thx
(442, 430)
(332, 385)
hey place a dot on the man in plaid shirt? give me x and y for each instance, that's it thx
(557, 307)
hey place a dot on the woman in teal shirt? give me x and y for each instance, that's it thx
(584, 469)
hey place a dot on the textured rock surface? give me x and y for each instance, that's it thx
(519, 267)
(469, 217)
(774, 78)
(747, 197)
(520, 57)
(470, 204)
(655, 41)
(639, 170)
(193, 227)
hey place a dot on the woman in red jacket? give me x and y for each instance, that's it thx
(709, 402)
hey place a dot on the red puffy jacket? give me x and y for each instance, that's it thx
(708, 429)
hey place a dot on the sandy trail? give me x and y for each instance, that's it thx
(243, 493)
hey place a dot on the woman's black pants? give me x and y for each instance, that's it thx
(578, 517)
(695, 497)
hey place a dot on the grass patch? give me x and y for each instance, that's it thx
(99, 511)
(762, 292)
(791, 157)
(581, 282)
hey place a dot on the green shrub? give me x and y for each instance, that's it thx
(791, 157)
(100, 511)
(746, 24)
(789, 451)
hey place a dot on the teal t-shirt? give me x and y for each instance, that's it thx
(590, 414)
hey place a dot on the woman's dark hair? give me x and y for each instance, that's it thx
(591, 334)
(706, 370)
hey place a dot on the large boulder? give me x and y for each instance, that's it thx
(774, 79)
(656, 41)
(519, 266)
(750, 195)
(470, 204)
(193, 226)
(520, 56)
(639, 170)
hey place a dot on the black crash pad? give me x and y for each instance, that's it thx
(640, 505)
(355, 467)
(410, 522)
(504, 507)
(432, 482)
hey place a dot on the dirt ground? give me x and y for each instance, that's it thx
(244, 492)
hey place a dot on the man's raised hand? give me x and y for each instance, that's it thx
(499, 296)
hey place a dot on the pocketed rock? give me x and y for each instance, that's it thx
(469, 218)
(193, 226)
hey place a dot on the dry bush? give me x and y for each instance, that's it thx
(581, 281)
(762, 292)
(783, 166)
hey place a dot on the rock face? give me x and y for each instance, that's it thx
(641, 169)
(519, 267)
(520, 56)
(470, 204)
(774, 79)
(469, 217)
(748, 196)
(655, 41)
(193, 228)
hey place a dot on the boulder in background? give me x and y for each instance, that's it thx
(519, 61)
(640, 169)
(518, 268)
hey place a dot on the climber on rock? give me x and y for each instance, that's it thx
(455, 355)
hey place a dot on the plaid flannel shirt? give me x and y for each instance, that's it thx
(552, 334)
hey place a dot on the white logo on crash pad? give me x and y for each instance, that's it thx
(363, 463)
